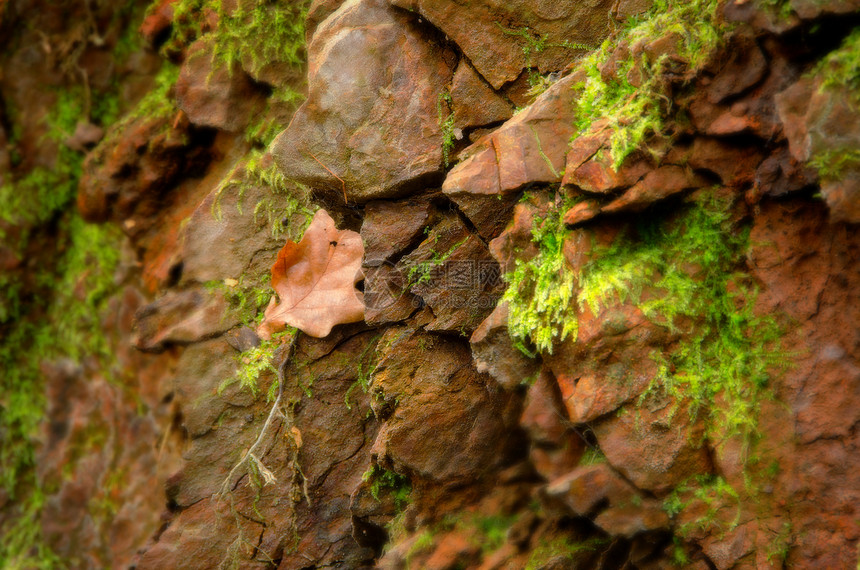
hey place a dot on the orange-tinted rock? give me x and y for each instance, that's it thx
(596, 173)
(734, 165)
(648, 444)
(454, 274)
(369, 124)
(581, 212)
(555, 447)
(156, 24)
(494, 352)
(389, 228)
(817, 122)
(475, 102)
(213, 95)
(744, 68)
(655, 186)
(595, 491)
(489, 32)
(528, 149)
(443, 421)
(181, 317)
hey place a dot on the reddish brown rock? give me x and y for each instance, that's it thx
(213, 95)
(182, 317)
(817, 122)
(158, 20)
(648, 444)
(490, 32)
(389, 228)
(135, 167)
(369, 126)
(813, 9)
(454, 274)
(624, 9)
(595, 491)
(581, 212)
(556, 447)
(734, 165)
(443, 421)
(781, 174)
(744, 68)
(528, 149)
(655, 186)
(590, 166)
(475, 102)
(493, 351)
(387, 298)
(225, 236)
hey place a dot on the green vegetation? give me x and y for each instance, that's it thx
(422, 272)
(840, 71)
(540, 293)
(256, 32)
(687, 269)
(286, 199)
(563, 548)
(445, 110)
(711, 491)
(532, 44)
(383, 480)
(55, 314)
(634, 104)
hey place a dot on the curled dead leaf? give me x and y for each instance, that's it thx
(315, 281)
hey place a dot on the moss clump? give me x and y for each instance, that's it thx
(631, 112)
(840, 71)
(686, 269)
(255, 32)
(62, 320)
(564, 549)
(384, 480)
(286, 201)
(711, 491)
(540, 293)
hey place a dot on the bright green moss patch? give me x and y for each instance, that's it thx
(540, 293)
(841, 67)
(386, 481)
(564, 549)
(685, 273)
(634, 112)
(256, 33)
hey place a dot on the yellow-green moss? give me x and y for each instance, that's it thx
(692, 266)
(635, 112)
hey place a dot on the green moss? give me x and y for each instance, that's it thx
(691, 267)
(445, 111)
(257, 32)
(711, 491)
(287, 199)
(563, 548)
(840, 71)
(384, 480)
(540, 292)
(633, 113)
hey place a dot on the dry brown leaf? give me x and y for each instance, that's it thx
(315, 281)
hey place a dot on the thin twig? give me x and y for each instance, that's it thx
(343, 184)
(226, 487)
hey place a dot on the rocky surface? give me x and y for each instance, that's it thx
(147, 425)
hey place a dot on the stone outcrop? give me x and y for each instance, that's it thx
(463, 142)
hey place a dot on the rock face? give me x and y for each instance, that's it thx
(368, 128)
(502, 38)
(701, 410)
